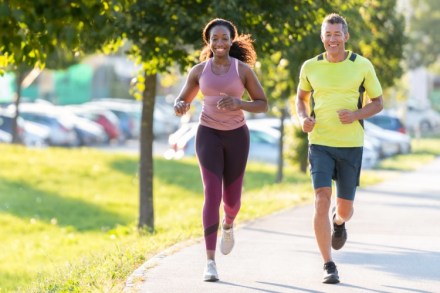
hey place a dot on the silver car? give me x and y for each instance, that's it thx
(62, 129)
(389, 142)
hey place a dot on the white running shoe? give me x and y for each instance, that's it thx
(210, 274)
(227, 242)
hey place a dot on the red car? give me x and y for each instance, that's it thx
(107, 119)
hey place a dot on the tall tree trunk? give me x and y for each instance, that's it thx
(146, 208)
(281, 148)
(19, 75)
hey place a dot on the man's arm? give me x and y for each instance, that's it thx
(372, 108)
(302, 110)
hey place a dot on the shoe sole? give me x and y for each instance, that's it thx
(337, 248)
(331, 280)
(225, 252)
(211, 279)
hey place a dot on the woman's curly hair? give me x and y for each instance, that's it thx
(242, 45)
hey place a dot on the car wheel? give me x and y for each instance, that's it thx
(425, 127)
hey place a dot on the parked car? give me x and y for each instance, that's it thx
(274, 122)
(5, 137)
(128, 113)
(62, 129)
(370, 155)
(89, 132)
(389, 142)
(389, 122)
(264, 142)
(421, 121)
(6, 120)
(174, 137)
(106, 118)
(35, 135)
(29, 133)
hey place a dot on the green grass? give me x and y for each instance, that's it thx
(69, 216)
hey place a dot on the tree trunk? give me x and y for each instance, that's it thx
(19, 75)
(146, 208)
(281, 148)
(303, 148)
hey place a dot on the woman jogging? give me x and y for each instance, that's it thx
(222, 140)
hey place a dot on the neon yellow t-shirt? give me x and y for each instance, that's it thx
(335, 86)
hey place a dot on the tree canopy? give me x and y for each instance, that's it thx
(424, 33)
(35, 32)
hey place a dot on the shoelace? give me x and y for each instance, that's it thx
(227, 234)
(211, 267)
(339, 232)
(330, 268)
(339, 229)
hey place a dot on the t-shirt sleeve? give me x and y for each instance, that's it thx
(304, 83)
(372, 84)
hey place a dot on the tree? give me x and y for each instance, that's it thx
(52, 34)
(424, 36)
(380, 37)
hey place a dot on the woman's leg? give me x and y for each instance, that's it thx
(210, 155)
(236, 144)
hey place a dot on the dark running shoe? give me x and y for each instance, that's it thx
(339, 235)
(330, 273)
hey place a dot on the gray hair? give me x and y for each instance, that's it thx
(335, 18)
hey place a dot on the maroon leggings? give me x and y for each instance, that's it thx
(222, 158)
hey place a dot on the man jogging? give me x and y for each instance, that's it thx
(331, 108)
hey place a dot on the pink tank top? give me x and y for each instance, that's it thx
(212, 86)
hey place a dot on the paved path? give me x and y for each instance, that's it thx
(393, 246)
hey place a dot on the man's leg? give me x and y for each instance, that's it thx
(321, 221)
(322, 166)
(347, 179)
(341, 214)
(344, 211)
(323, 233)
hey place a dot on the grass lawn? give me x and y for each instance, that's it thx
(69, 216)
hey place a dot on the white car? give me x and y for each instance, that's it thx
(62, 129)
(370, 155)
(36, 135)
(388, 142)
(422, 121)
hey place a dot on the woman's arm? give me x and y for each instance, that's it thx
(258, 102)
(189, 90)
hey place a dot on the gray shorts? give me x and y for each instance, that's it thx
(342, 164)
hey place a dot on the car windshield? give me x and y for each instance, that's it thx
(261, 137)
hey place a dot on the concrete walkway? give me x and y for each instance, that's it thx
(393, 246)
